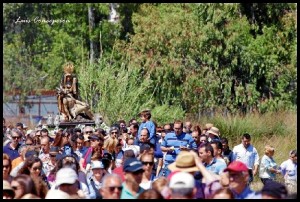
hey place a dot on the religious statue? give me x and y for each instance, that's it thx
(67, 96)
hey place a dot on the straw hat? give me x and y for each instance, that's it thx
(184, 162)
(215, 131)
(208, 126)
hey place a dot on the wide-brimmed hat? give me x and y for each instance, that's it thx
(208, 126)
(215, 131)
(185, 161)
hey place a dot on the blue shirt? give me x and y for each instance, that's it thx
(171, 139)
(216, 166)
(12, 153)
(247, 193)
(151, 128)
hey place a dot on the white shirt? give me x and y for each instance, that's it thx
(289, 170)
(248, 156)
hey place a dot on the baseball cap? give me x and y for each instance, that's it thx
(182, 180)
(93, 137)
(274, 189)
(30, 153)
(132, 165)
(97, 164)
(66, 176)
(57, 194)
(236, 166)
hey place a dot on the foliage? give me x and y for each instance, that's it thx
(196, 59)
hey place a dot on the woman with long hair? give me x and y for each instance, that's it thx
(33, 168)
(7, 168)
(111, 142)
(23, 185)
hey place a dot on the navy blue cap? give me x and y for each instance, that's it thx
(31, 153)
(132, 165)
(274, 189)
(94, 137)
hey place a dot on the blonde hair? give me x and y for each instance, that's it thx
(268, 149)
(110, 144)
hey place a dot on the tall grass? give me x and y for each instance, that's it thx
(278, 129)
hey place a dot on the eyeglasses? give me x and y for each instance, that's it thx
(15, 187)
(15, 137)
(146, 163)
(111, 189)
(6, 166)
(37, 168)
(89, 131)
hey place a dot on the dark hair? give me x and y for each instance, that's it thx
(45, 130)
(218, 144)
(26, 183)
(135, 125)
(77, 130)
(247, 136)
(101, 131)
(224, 140)
(19, 124)
(28, 164)
(207, 147)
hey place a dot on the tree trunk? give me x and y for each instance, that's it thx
(91, 28)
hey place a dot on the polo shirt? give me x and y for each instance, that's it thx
(126, 194)
(171, 139)
(12, 153)
(216, 166)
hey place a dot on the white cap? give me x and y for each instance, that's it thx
(66, 176)
(182, 180)
(57, 194)
(97, 164)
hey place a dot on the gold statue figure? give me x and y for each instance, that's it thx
(67, 96)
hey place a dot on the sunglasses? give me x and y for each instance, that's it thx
(111, 189)
(37, 168)
(146, 163)
(88, 132)
(52, 155)
(114, 132)
(15, 137)
(6, 166)
(15, 187)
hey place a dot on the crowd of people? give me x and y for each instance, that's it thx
(135, 160)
